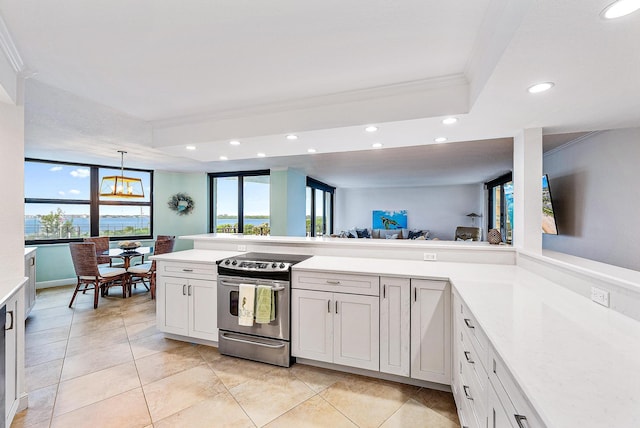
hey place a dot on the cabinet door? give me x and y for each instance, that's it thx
(312, 325)
(356, 331)
(430, 331)
(203, 309)
(30, 287)
(11, 359)
(395, 322)
(172, 307)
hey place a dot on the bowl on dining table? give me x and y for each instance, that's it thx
(129, 245)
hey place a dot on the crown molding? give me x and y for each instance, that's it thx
(572, 142)
(411, 87)
(9, 48)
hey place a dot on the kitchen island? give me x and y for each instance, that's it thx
(543, 352)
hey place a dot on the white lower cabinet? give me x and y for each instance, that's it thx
(15, 395)
(30, 286)
(187, 306)
(485, 392)
(395, 324)
(336, 328)
(415, 328)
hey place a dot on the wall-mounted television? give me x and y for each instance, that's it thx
(549, 225)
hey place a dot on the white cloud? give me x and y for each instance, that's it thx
(61, 193)
(80, 173)
(55, 168)
(74, 192)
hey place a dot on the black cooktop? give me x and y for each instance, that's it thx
(270, 257)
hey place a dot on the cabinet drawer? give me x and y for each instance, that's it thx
(466, 322)
(188, 270)
(474, 397)
(475, 366)
(336, 282)
(516, 406)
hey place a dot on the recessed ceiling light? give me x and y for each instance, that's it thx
(311, 150)
(292, 137)
(620, 8)
(449, 120)
(190, 147)
(377, 145)
(224, 158)
(234, 142)
(440, 140)
(261, 155)
(540, 87)
(371, 128)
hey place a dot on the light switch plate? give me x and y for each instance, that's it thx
(242, 248)
(430, 256)
(600, 296)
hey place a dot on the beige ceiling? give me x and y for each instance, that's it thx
(151, 77)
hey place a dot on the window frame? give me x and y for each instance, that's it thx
(314, 185)
(490, 185)
(212, 197)
(93, 202)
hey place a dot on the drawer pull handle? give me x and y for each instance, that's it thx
(11, 324)
(336, 306)
(384, 291)
(328, 306)
(466, 392)
(184, 289)
(333, 282)
(189, 292)
(467, 356)
(467, 321)
(187, 270)
(520, 419)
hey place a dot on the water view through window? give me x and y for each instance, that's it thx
(58, 204)
(241, 203)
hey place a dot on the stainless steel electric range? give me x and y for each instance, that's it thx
(268, 342)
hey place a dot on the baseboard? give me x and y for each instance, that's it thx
(55, 283)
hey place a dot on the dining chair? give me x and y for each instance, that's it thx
(147, 271)
(102, 245)
(91, 276)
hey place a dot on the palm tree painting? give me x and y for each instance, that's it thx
(390, 220)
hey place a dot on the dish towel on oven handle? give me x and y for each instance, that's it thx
(246, 299)
(265, 304)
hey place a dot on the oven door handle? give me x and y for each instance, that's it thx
(235, 284)
(251, 342)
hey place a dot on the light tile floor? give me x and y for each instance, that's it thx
(110, 367)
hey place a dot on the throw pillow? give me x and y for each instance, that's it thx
(414, 234)
(363, 233)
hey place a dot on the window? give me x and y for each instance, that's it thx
(319, 208)
(62, 204)
(240, 202)
(500, 203)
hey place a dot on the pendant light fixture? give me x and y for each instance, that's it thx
(119, 186)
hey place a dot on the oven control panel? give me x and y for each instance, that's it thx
(254, 265)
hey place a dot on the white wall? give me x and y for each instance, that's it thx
(439, 209)
(594, 186)
(12, 177)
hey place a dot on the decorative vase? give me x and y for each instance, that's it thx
(494, 237)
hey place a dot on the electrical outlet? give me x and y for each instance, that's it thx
(430, 256)
(242, 248)
(600, 296)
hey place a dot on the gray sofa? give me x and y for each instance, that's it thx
(384, 233)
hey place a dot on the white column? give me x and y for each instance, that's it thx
(527, 190)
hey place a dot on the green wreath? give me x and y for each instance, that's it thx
(181, 203)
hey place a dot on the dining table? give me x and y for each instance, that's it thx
(127, 255)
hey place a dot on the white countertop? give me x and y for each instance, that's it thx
(195, 256)
(577, 362)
